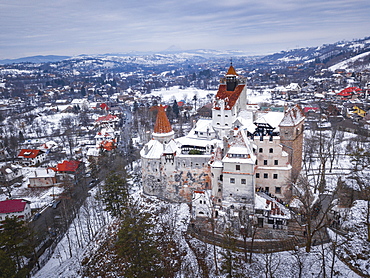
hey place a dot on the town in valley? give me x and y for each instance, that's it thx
(201, 164)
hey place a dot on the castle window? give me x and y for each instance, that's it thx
(200, 201)
(271, 150)
(276, 162)
(232, 180)
(277, 190)
(265, 176)
(257, 175)
(260, 150)
(265, 162)
(243, 181)
(237, 167)
(275, 176)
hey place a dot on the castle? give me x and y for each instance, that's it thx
(237, 160)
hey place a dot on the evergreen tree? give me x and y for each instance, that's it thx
(7, 266)
(15, 240)
(136, 106)
(21, 137)
(83, 91)
(137, 245)
(175, 109)
(93, 167)
(115, 194)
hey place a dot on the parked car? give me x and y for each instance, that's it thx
(36, 216)
(56, 203)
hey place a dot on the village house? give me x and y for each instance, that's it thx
(31, 157)
(69, 170)
(18, 208)
(42, 177)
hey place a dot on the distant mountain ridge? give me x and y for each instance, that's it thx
(35, 59)
(356, 52)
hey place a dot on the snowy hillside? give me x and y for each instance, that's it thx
(357, 63)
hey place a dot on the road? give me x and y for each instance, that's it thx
(53, 222)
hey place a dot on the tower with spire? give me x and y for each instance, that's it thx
(231, 98)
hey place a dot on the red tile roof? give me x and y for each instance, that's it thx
(68, 166)
(9, 206)
(27, 153)
(162, 124)
(108, 145)
(230, 97)
(106, 118)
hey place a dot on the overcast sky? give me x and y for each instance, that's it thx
(73, 27)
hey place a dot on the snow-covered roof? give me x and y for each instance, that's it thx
(171, 147)
(271, 118)
(92, 151)
(293, 116)
(152, 150)
(193, 141)
(203, 125)
(267, 203)
(240, 150)
(41, 173)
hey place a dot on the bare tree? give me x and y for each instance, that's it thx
(313, 213)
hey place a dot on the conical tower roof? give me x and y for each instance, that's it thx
(162, 124)
(231, 71)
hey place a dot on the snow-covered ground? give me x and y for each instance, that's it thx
(93, 225)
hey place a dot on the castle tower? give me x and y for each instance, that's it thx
(162, 129)
(291, 137)
(231, 79)
(231, 98)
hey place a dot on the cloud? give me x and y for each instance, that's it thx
(82, 26)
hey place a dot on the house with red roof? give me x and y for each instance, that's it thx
(19, 208)
(31, 157)
(70, 167)
(107, 121)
